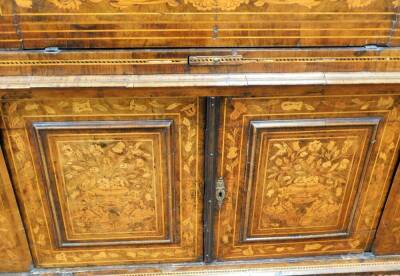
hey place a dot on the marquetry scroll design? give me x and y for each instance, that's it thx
(89, 139)
(201, 5)
(303, 181)
(363, 194)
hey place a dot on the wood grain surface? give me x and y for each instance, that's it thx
(196, 23)
(176, 61)
(14, 251)
(387, 239)
(304, 175)
(105, 180)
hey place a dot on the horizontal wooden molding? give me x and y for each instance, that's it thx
(59, 62)
(196, 60)
(187, 80)
(351, 264)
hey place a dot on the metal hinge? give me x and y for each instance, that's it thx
(216, 60)
(220, 191)
(51, 50)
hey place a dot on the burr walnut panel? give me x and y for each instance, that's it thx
(304, 175)
(198, 23)
(108, 180)
(109, 186)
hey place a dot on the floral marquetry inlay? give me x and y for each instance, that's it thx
(109, 179)
(304, 175)
(201, 5)
(304, 178)
(304, 181)
(109, 185)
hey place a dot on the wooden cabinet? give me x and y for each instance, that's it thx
(108, 177)
(152, 132)
(306, 175)
(108, 180)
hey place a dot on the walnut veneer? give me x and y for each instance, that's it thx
(189, 137)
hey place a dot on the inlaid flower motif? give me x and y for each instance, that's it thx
(67, 4)
(359, 3)
(201, 5)
(79, 107)
(102, 177)
(305, 3)
(206, 5)
(304, 177)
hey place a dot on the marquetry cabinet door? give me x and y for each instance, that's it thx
(107, 180)
(304, 175)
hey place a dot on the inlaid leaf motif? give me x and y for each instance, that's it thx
(305, 178)
(306, 3)
(359, 3)
(109, 182)
(109, 185)
(67, 4)
(24, 3)
(173, 106)
(81, 107)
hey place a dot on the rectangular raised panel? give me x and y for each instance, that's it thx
(305, 175)
(108, 180)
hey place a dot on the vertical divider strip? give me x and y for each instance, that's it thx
(210, 171)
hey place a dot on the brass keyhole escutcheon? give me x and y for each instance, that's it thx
(220, 191)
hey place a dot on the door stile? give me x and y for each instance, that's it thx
(210, 169)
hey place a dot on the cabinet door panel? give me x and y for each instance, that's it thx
(387, 239)
(14, 251)
(109, 180)
(304, 176)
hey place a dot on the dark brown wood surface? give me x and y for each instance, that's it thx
(197, 23)
(14, 251)
(305, 175)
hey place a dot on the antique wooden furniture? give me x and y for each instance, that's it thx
(169, 137)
